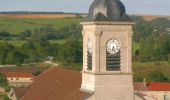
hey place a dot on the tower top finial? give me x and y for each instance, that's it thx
(107, 10)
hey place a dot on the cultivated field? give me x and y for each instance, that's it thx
(151, 17)
(37, 15)
(18, 25)
(143, 68)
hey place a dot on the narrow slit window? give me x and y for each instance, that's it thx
(89, 61)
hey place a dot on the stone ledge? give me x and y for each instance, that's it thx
(107, 73)
(107, 23)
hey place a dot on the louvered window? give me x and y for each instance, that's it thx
(89, 61)
(113, 61)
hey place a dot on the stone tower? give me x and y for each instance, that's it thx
(107, 42)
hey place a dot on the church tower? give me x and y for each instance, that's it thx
(107, 46)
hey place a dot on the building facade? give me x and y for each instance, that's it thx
(19, 78)
(107, 46)
(154, 90)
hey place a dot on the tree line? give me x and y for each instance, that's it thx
(153, 38)
(47, 32)
(38, 48)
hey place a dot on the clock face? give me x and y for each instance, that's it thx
(113, 46)
(90, 46)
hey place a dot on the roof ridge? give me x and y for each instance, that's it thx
(37, 77)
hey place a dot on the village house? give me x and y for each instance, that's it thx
(51, 85)
(19, 78)
(155, 90)
(107, 64)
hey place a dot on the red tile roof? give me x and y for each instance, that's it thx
(152, 86)
(56, 84)
(20, 91)
(19, 74)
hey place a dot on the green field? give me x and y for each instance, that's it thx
(18, 25)
(143, 68)
(19, 43)
(135, 46)
(60, 41)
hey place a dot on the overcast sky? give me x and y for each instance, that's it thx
(154, 7)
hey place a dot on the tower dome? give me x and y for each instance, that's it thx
(107, 10)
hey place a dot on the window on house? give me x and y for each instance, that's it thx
(11, 78)
(17, 78)
(166, 97)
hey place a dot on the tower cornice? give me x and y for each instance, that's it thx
(106, 23)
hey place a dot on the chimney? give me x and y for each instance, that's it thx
(144, 82)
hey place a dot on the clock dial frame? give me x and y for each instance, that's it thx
(113, 46)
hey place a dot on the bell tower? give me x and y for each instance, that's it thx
(107, 42)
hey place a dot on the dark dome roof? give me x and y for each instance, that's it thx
(107, 10)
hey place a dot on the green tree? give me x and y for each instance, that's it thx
(25, 34)
(4, 97)
(4, 49)
(15, 57)
(3, 80)
(157, 76)
(71, 52)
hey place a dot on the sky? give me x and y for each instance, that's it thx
(151, 7)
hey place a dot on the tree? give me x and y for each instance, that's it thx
(157, 76)
(71, 52)
(37, 72)
(4, 97)
(4, 49)
(138, 78)
(3, 80)
(25, 34)
(5, 35)
(15, 57)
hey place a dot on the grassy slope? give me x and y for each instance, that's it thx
(18, 25)
(142, 68)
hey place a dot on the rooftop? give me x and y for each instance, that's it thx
(18, 74)
(107, 10)
(55, 83)
(152, 86)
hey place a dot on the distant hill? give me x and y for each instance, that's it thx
(28, 14)
(42, 14)
(151, 17)
(32, 12)
(38, 15)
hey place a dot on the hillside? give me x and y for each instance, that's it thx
(18, 25)
(37, 15)
(151, 17)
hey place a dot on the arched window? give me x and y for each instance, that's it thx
(113, 57)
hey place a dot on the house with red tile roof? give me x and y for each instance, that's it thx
(53, 84)
(19, 78)
(62, 84)
(155, 90)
